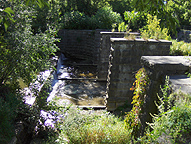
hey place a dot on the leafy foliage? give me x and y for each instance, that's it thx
(103, 19)
(130, 17)
(8, 112)
(172, 124)
(180, 10)
(121, 6)
(88, 7)
(158, 8)
(132, 120)
(180, 48)
(153, 30)
(24, 54)
(48, 16)
(79, 126)
(107, 17)
(122, 27)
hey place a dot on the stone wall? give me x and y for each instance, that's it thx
(124, 62)
(81, 44)
(104, 51)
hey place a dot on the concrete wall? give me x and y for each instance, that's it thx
(82, 44)
(104, 51)
(124, 61)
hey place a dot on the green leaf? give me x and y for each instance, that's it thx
(6, 25)
(9, 10)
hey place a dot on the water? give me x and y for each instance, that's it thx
(75, 82)
(29, 95)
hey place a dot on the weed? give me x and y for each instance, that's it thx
(91, 126)
(132, 120)
(173, 123)
(180, 48)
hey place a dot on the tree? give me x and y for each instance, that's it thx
(180, 10)
(22, 53)
(158, 8)
(121, 6)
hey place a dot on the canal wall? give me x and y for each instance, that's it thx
(124, 61)
(104, 51)
(81, 44)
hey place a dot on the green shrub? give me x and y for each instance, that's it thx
(153, 30)
(173, 123)
(77, 20)
(106, 17)
(180, 48)
(103, 19)
(8, 113)
(122, 27)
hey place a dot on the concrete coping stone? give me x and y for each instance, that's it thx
(180, 83)
(109, 33)
(140, 40)
(167, 60)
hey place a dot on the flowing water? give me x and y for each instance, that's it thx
(75, 82)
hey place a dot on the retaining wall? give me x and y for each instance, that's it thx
(105, 52)
(124, 61)
(81, 44)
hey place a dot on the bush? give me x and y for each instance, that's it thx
(153, 30)
(79, 126)
(103, 19)
(8, 113)
(78, 20)
(173, 123)
(24, 54)
(106, 17)
(180, 48)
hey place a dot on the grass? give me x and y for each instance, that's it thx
(171, 125)
(87, 127)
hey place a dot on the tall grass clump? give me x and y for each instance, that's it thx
(173, 123)
(85, 127)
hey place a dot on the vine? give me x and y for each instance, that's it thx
(132, 120)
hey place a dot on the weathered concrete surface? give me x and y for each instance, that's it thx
(165, 60)
(124, 61)
(181, 83)
(82, 44)
(167, 65)
(104, 51)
